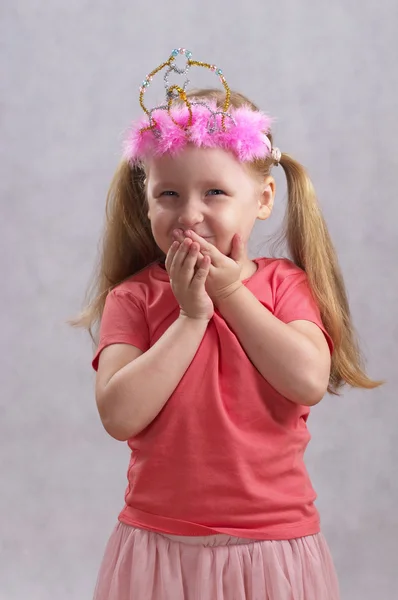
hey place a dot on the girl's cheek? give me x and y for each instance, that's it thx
(228, 222)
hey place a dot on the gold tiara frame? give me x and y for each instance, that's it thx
(176, 92)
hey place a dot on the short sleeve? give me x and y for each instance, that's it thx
(123, 322)
(295, 301)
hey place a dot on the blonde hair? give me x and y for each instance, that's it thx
(128, 246)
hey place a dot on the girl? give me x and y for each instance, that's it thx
(208, 362)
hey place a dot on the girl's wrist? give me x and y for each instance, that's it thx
(195, 320)
(226, 293)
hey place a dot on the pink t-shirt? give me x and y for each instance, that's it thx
(225, 454)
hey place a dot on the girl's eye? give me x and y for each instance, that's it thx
(216, 192)
(168, 193)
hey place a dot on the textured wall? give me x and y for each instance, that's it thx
(327, 70)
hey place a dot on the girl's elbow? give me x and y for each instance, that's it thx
(113, 419)
(119, 431)
(312, 400)
(315, 392)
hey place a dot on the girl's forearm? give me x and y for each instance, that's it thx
(137, 393)
(286, 358)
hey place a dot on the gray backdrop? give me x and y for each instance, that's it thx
(70, 72)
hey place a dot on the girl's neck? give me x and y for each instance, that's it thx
(248, 269)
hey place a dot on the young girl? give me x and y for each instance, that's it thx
(208, 362)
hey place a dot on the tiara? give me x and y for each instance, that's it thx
(180, 120)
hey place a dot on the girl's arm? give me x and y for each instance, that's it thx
(294, 358)
(132, 387)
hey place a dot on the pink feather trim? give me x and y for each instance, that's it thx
(245, 136)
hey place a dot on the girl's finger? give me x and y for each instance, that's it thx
(237, 249)
(206, 248)
(187, 268)
(170, 255)
(179, 257)
(201, 274)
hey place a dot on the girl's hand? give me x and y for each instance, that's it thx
(225, 271)
(188, 273)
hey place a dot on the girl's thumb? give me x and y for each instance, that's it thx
(237, 248)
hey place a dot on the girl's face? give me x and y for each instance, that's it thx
(208, 191)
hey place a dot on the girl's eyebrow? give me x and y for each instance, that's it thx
(214, 183)
(164, 184)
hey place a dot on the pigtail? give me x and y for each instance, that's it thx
(127, 244)
(311, 248)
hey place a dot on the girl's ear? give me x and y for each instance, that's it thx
(266, 201)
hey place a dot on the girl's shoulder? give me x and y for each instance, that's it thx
(148, 276)
(277, 279)
(278, 269)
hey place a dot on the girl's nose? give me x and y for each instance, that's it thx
(189, 217)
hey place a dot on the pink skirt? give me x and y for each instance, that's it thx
(143, 565)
